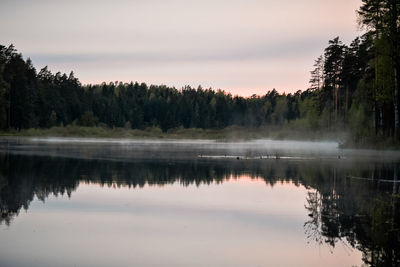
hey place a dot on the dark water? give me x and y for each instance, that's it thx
(165, 203)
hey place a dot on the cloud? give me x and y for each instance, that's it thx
(266, 51)
(141, 38)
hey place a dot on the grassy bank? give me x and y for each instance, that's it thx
(229, 133)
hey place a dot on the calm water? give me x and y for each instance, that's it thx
(72, 202)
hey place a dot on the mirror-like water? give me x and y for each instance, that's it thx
(86, 203)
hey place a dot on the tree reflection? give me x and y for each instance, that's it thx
(314, 225)
(365, 213)
(22, 178)
(360, 213)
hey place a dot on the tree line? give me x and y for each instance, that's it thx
(43, 99)
(352, 87)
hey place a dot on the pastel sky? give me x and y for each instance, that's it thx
(242, 46)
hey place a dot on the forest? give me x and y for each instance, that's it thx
(353, 88)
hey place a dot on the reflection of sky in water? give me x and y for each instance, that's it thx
(237, 223)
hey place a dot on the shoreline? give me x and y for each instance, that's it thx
(229, 134)
(232, 133)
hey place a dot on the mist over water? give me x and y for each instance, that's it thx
(128, 149)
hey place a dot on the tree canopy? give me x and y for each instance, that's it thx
(352, 87)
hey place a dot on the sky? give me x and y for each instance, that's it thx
(244, 47)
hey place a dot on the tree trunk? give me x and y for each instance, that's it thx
(374, 119)
(374, 109)
(394, 35)
(336, 103)
(396, 105)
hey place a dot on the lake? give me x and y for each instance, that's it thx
(114, 202)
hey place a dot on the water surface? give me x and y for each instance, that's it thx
(80, 202)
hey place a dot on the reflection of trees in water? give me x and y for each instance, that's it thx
(24, 177)
(384, 250)
(365, 214)
(313, 227)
